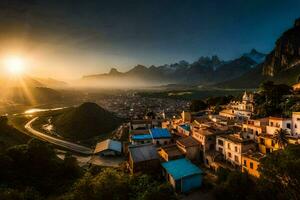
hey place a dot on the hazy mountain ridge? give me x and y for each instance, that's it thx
(206, 70)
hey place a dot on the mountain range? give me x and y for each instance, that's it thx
(281, 65)
(204, 71)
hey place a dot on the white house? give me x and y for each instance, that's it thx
(296, 123)
(232, 147)
(276, 123)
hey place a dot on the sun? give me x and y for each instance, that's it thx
(14, 65)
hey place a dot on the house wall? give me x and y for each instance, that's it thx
(250, 165)
(183, 131)
(266, 145)
(192, 153)
(108, 152)
(191, 182)
(145, 166)
(275, 125)
(161, 141)
(137, 126)
(296, 123)
(231, 151)
(136, 142)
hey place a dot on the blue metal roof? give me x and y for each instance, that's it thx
(141, 137)
(181, 168)
(160, 133)
(186, 127)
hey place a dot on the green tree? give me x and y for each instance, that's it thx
(280, 137)
(238, 186)
(280, 173)
(197, 105)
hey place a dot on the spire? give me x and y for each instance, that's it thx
(245, 96)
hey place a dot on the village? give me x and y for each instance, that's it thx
(183, 149)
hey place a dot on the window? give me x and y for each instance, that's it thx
(251, 165)
(220, 142)
(288, 125)
(157, 142)
(229, 155)
(262, 141)
(273, 143)
(220, 149)
(236, 149)
(236, 158)
(228, 146)
(256, 132)
(245, 163)
(271, 123)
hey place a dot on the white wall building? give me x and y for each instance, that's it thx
(233, 146)
(276, 123)
(296, 123)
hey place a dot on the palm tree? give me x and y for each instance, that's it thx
(280, 137)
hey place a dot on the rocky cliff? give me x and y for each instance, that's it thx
(286, 54)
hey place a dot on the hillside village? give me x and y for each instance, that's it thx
(186, 148)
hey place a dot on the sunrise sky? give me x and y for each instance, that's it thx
(66, 40)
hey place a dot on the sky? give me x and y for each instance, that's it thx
(67, 39)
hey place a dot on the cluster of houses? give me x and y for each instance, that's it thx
(231, 139)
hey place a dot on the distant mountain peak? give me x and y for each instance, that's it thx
(114, 71)
(256, 56)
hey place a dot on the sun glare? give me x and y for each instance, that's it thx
(14, 65)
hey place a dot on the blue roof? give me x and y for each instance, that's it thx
(160, 133)
(141, 137)
(186, 127)
(181, 168)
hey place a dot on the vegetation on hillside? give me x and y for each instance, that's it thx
(10, 136)
(274, 100)
(33, 171)
(115, 184)
(85, 121)
(279, 179)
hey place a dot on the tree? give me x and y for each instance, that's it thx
(280, 138)
(271, 99)
(114, 184)
(197, 105)
(237, 186)
(280, 172)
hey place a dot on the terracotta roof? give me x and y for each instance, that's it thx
(172, 150)
(188, 142)
(235, 138)
(254, 155)
(279, 118)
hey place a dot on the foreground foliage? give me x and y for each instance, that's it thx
(114, 184)
(35, 166)
(279, 180)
